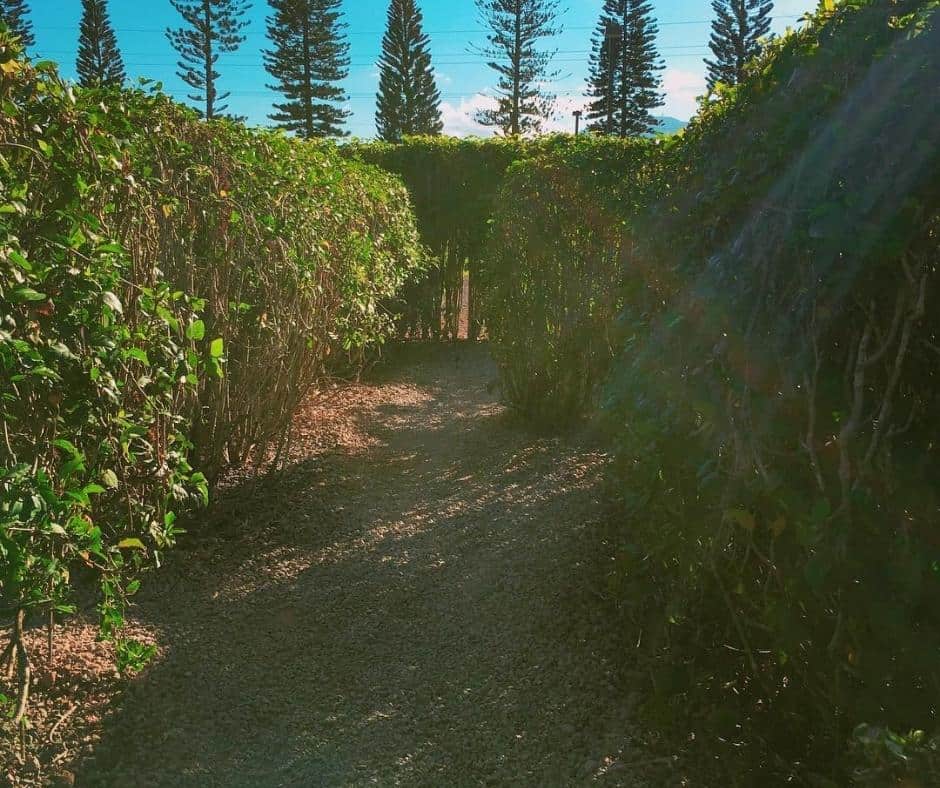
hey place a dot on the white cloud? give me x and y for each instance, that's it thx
(458, 118)
(459, 122)
(682, 88)
(563, 119)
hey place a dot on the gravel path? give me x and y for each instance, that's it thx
(403, 606)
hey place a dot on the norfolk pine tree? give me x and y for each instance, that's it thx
(515, 29)
(408, 102)
(737, 30)
(15, 15)
(310, 57)
(603, 75)
(99, 60)
(214, 27)
(641, 67)
(623, 82)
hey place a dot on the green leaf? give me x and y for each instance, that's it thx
(167, 316)
(45, 372)
(77, 239)
(61, 350)
(67, 446)
(196, 330)
(131, 544)
(110, 478)
(217, 348)
(214, 367)
(202, 485)
(21, 261)
(72, 466)
(21, 294)
(138, 354)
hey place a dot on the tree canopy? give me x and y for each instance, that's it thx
(408, 101)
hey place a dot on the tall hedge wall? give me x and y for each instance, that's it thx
(455, 186)
(169, 290)
(555, 267)
(776, 411)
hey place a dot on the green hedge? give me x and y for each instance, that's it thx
(759, 295)
(455, 187)
(169, 290)
(775, 411)
(558, 255)
(538, 228)
(453, 184)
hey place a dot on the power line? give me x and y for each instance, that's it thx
(258, 66)
(230, 62)
(356, 96)
(674, 23)
(672, 52)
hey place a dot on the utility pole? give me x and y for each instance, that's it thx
(577, 121)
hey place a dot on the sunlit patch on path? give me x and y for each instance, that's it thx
(404, 604)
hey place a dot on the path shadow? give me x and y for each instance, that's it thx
(417, 614)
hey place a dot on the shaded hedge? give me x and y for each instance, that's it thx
(775, 411)
(169, 290)
(456, 188)
(453, 185)
(554, 270)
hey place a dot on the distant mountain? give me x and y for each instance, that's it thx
(670, 125)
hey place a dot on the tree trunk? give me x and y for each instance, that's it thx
(207, 55)
(308, 87)
(515, 115)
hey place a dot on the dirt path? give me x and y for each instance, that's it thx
(403, 606)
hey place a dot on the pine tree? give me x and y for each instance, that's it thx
(603, 76)
(515, 29)
(214, 27)
(310, 56)
(408, 100)
(641, 65)
(624, 82)
(737, 30)
(15, 15)
(99, 60)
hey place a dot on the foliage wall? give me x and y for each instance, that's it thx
(458, 188)
(553, 272)
(775, 408)
(169, 290)
(453, 185)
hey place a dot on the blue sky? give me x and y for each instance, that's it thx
(453, 25)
